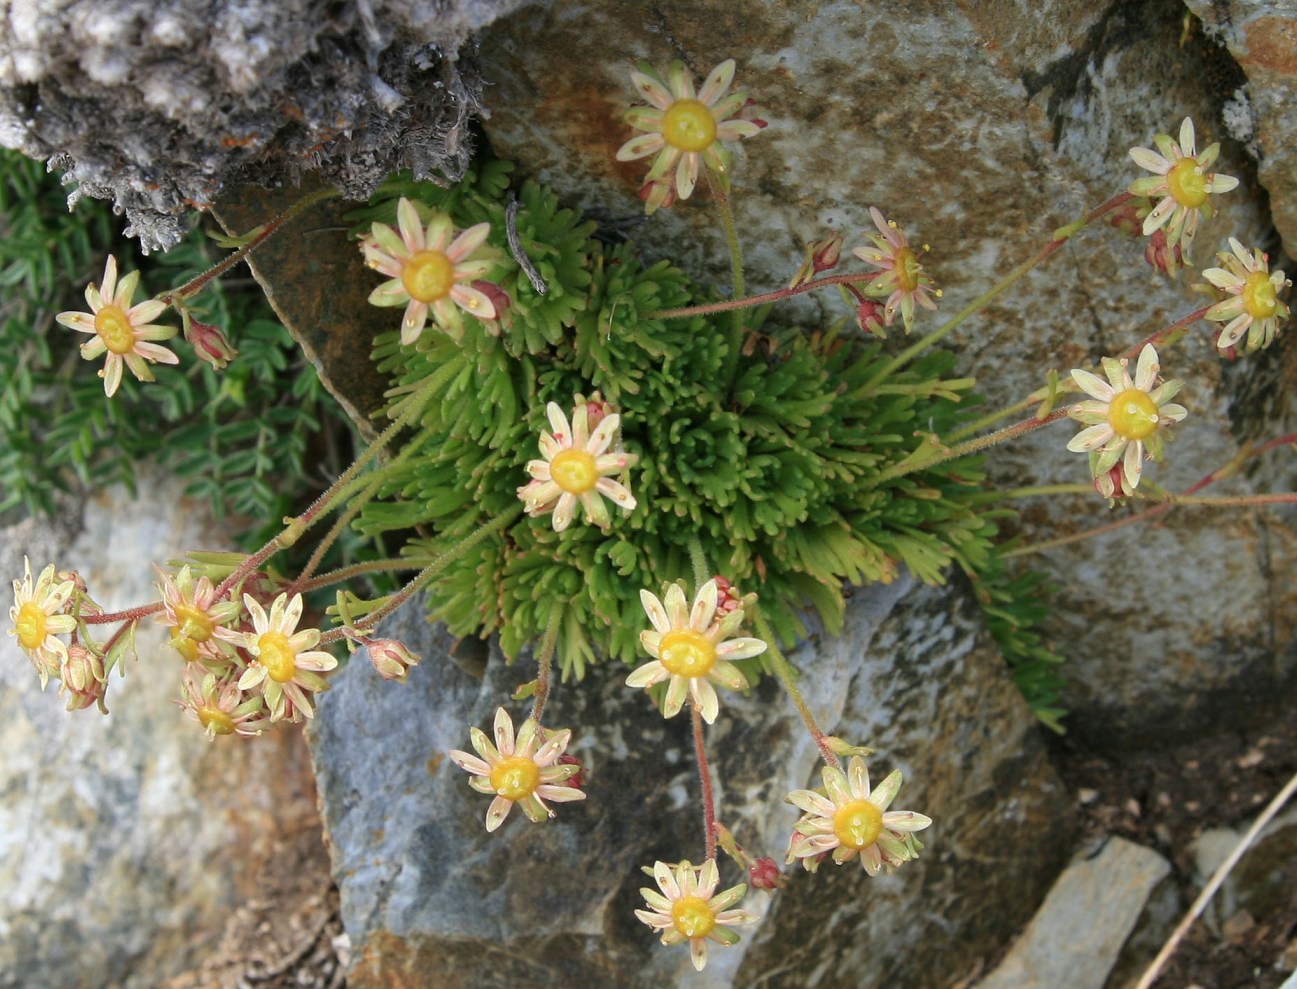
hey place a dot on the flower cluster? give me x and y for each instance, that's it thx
(1125, 418)
(848, 819)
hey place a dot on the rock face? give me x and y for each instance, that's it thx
(158, 104)
(981, 128)
(429, 899)
(126, 841)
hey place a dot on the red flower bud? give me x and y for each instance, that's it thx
(210, 344)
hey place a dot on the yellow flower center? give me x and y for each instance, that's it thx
(215, 720)
(687, 653)
(1187, 183)
(277, 656)
(692, 917)
(184, 645)
(194, 623)
(689, 126)
(428, 276)
(30, 625)
(1258, 296)
(515, 777)
(115, 330)
(1133, 414)
(907, 270)
(857, 824)
(574, 471)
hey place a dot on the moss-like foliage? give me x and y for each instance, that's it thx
(771, 462)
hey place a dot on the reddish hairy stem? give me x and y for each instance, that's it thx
(704, 774)
(130, 614)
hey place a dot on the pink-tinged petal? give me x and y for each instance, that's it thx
(549, 447)
(666, 881)
(108, 289)
(744, 648)
(437, 236)
(1150, 160)
(390, 293)
(652, 89)
(652, 643)
(316, 662)
(1147, 368)
(1217, 276)
(872, 860)
(301, 702)
(497, 812)
(1187, 147)
(704, 695)
(736, 130)
(677, 690)
(469, 763)
(698, 952)
(581, 427)
(390, 241)
(468, 242)
(655, 899)
(656, 612)
(407, 218)
(704, 609)
(525, 744)
(1091, 438)
(663, 165)
(482, 784)
(413, 322)
(1222, 183)
(112, 375)
(905, 820)
(656, 922)
(79, 321)
(152, 352)
(887, 790)
(717, 82)
(473, 301)
(1160, 214)
(677, 608)
(645, 118)
(1133, 463)
(604, 434)
(554, 746)
(1173, 412)
(681, 81)
(503, 727)
(145, 312)
(647, 675)
(482, 745)
(560, 794)
(1233, 330)
(812, 803)
(559, 426)
(564, 511)
(687, 175)
(709, 878)
(540, 494)
(617, 492)
(252, 676)
(1093, 385)
(641, 146)
(858, 778)
(93, 349)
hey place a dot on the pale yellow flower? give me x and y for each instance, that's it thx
(686, 907)
(121, 330)
(849, 819)
(684, 127)
(1124, 418)
(220, 706)
(1183, 180)
(692, 649)
(431, 270)
(38, 620)
(901, 280)
(578, 467)
(1252, 303)
(524, 770)
(191, 611)
(286, 667)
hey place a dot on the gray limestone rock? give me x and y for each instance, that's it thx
(981, 128)
(127, 840)
(429, 899)
(1076, 936)
(160, 104)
